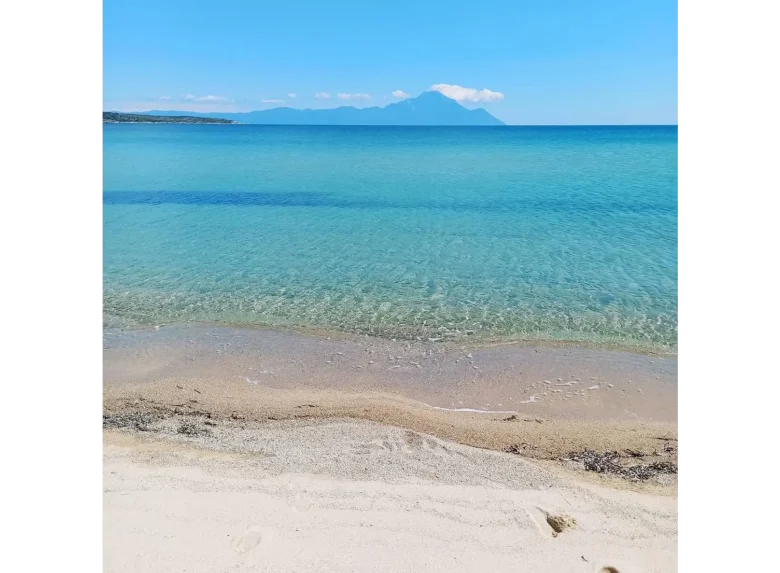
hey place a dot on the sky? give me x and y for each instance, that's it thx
(526, 62)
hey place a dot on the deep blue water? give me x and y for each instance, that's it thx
(558, 233)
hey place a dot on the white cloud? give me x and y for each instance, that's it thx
(354, 96)
(163, 98)
(273, 101)
(459, 93)
(213, 98)
(208, 98)
(400, 94)
(293, 96)
(321, 95)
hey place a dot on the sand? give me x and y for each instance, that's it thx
(527, 433)
(547, 380)
(253, 450)
(333, 496)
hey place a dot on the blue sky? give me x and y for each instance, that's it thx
(526, 62)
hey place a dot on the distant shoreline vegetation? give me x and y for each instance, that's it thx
(117, 117)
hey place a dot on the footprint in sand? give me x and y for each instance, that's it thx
(549, 523)
(252, 537)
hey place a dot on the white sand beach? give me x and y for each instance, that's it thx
(345, 496)
(253, 450)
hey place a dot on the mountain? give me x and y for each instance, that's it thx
(119, 117)
(429, 108)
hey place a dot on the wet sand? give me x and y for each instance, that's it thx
(541, 402)
(544, 380)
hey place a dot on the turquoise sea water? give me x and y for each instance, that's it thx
(556, 233)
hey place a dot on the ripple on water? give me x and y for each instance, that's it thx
(508, 234)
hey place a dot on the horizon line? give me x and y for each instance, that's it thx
(390, 125)
(374, 125)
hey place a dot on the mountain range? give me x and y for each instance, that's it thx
(429, 108)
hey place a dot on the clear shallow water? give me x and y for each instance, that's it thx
(558, 233)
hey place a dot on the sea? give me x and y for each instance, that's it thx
(466, 234)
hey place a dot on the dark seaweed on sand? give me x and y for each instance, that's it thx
(609, 463)
(140, 421)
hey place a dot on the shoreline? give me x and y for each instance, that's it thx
(473, 342)
(539, 402)
(563, 381)
(229, 449)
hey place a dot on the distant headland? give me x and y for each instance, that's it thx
(119, 117)
(429, 108)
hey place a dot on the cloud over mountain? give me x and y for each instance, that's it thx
(459, 93)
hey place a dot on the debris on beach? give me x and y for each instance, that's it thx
(519, 449)
(609, 463)
(560, 522)
(140, 421)
(514, 418)
(191, 429)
